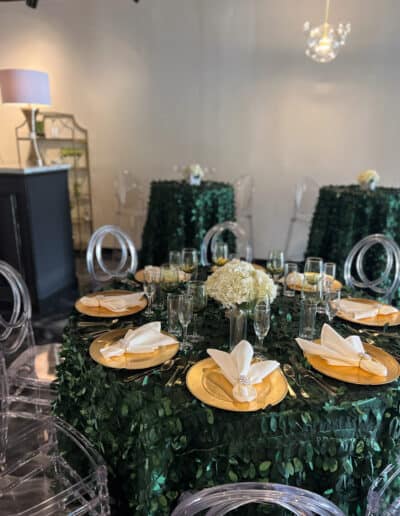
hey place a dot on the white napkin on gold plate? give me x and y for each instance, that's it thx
(146, 339)
(115, 303)
(293, 279)
(342, 352)
(240, 372)
(181, 274)
(357, 310)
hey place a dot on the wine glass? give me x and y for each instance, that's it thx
(190, 261)
(275, 264)
(149, 288)
(185, 315)
(313, 278)
(169, 278)
(197, 289)
(262, 323)
(220, 253)
(332, 300)
(175, 258)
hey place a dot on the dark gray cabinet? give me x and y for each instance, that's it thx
(35, 229)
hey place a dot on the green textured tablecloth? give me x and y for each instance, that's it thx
(159, 442)
(346, 214)
(179, 215)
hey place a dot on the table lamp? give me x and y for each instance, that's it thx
(31, 89)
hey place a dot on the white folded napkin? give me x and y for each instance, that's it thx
(356, 310)
(146, 339)
(294, 279)
(237, 369)
(342, 352)
(116, 303)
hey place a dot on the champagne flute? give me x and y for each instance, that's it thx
(190, 261)
(197, 289)
(275, 264)
(329, 273)
(149, 288)
(185, 315)
(313, 278)
(262, 323)
(220, 253)
(332, 300)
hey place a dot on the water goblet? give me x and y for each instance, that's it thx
(175, 259)
(275, 263)
(185, 315)
(169, 279)
(157, 302)
(197, 289)
(173, 301)
(262, 323)
(190, 261)
(220, 253)
(313, 278)
(290, 273)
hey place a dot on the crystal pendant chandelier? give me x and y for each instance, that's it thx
(325, 41)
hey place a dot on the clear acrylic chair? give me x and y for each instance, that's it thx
(46, 467)
(388, 281)
(223, 499)
(130, 194)
(215, 233)
(384, 493)
(244, 190)
(99, 269)
(31, 369)
(306, 195)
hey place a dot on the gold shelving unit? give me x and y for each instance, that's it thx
(62, 140)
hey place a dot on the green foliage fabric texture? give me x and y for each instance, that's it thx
(179, 215)
(159, 442)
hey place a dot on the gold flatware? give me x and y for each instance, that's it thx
(166, 366)
(289, 372)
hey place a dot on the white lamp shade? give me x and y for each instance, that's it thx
(24, 87)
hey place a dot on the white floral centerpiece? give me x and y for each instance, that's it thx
(238, 282)
(368, 179)
(193, 174)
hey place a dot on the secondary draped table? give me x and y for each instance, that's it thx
(179, 215)
(346, 214)
(159, 441)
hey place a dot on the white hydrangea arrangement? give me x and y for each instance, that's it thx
(368, 179)
(193, 173)
(239, 282)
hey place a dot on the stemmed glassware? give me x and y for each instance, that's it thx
(262, 323)
(175, 259)
(220, 253)
(190, 261)
(275, 264)
(185, 315)
(331, 300)
(197, 289)
(169, 278)
(313, 279)
(149, 288)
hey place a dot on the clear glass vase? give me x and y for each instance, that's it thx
(237, 325)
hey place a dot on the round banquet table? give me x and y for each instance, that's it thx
(159, 442)
(179, 215)
(346, 214)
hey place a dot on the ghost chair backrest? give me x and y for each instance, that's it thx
(229, 497)
(214, 233)
(387, 281)
(98, 268)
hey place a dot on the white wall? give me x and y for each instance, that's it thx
(221, 82)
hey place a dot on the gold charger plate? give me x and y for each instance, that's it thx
(129, 360)
(378, 320)
(139, 276)
(336, 285)
(207, 383)
(357, 375)
(99, 311)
